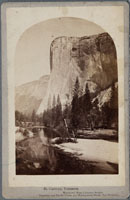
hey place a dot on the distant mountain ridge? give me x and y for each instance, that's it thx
(29, 96)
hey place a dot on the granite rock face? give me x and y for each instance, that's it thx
(91, 59)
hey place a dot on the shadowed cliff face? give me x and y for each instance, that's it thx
(91, 59)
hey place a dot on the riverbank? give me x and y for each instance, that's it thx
(100, 156)
(92, 149)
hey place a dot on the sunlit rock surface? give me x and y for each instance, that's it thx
(91, 59)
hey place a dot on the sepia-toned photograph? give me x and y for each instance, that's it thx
(66, 99)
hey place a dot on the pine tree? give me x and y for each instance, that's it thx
(66, 112)
(75, 106)
(47, 117)
(34, 116)
(87, 100)
(76, 89)
(96, 113)
(86, 107)
(58, 111)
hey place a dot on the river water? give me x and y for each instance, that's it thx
(37, 156)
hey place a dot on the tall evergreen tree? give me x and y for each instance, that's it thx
(34, 116)
(75, 106)
(96, 113)
(86, 107)
(76, 89)
(87, 100)
(47, 118)
(66, 112)
(58, 112)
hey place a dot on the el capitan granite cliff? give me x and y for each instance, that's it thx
(91, 59)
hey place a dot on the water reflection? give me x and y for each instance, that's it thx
(36, 152)
(37, 156)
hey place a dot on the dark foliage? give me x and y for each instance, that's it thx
(82, 112)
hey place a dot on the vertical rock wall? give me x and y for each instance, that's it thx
(91, 59)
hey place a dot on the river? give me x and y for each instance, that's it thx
(37, 156)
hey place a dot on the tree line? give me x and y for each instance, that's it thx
(82, 112)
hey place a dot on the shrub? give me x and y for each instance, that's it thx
(35, 130)
(62, 131)
(25, 133)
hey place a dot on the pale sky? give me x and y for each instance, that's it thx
(32, 57)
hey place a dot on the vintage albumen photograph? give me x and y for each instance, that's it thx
(66, 99)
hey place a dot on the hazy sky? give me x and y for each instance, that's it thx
(32, 57)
